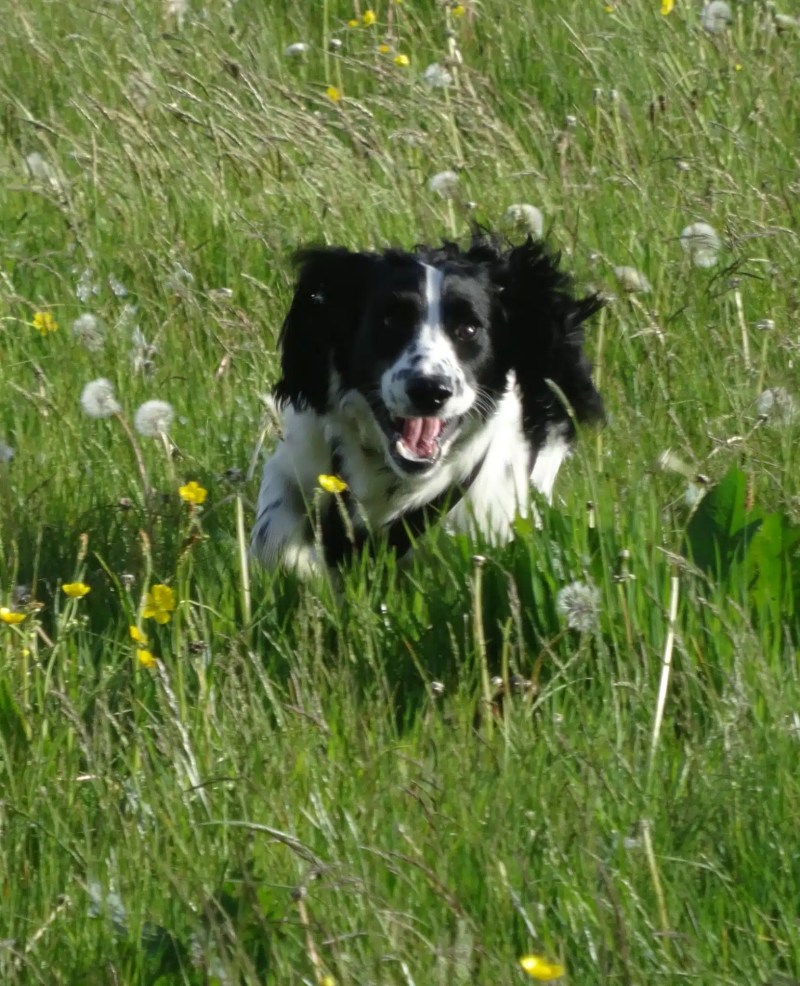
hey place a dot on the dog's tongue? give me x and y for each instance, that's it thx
(419, 435)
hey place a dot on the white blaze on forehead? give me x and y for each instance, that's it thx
(433, 297)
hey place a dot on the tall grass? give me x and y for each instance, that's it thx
(422, 777)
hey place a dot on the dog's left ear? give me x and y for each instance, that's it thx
(323, 316)
(544, 339)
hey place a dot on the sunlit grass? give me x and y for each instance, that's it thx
(435, 771)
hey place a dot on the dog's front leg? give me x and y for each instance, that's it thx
(283, 534)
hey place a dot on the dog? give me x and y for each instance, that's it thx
(436, 384)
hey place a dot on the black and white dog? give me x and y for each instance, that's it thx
(440, 383)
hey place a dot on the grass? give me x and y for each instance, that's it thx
(307, 789)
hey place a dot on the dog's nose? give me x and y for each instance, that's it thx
(428, 394)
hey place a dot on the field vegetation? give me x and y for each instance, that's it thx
(580, 750)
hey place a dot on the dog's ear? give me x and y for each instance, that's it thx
(322, 319)
(544, 339)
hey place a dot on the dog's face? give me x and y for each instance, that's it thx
(423, 344)
(423, 357)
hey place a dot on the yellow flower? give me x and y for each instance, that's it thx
(327, 981)
(401, 60)
(159, 604)
(538, 967)
(75, 590)
(368, 18)
(44, 322)
(9, 616)
(193, 493)
(353, 23)
(384, 49)
(459, 10)
(333, 94)
(145, 658)
(137, 635)
(331, 484)
(666, 7)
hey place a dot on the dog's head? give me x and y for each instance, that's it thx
(424, 343)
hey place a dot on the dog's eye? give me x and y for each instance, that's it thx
(464, 332)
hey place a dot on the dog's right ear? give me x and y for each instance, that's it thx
(321, 323)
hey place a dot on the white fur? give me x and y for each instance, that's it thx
(499, 493)
(435, 356)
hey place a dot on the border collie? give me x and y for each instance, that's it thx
(437, 384)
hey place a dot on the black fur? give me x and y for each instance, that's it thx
(536, 325)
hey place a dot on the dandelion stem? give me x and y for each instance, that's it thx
(244, 568)
(480, 640)
(654, 876)
(666, 666)
(737, 300)
(137, 454)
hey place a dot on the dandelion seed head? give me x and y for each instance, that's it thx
(445, 183)
(153, 418)
(436, 76)
(632, 280)
(692, 495)
(579, 604)
(701, 242)
(716, 16)
(98, 400)
(296, 50)
(180, 280)
(140, 88)
(777, 405)
(117, 286)
(786, 22)
(526, 218)
(6, 452)
(88, 331)
(142, 351)
(177, 10)
(86, 287)
(40, 169)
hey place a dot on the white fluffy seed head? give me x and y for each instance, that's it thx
(296, 50)
(632, 280)
(716, 16)
(526, 218)
(579, 604)
(702, 243)
(777, 406)
(153, 418)
(437, 77)
(88, 330)
(98, 400)
(445, 183)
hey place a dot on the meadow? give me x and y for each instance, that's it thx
(574, 757)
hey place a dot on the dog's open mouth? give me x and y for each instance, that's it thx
(416, 443)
